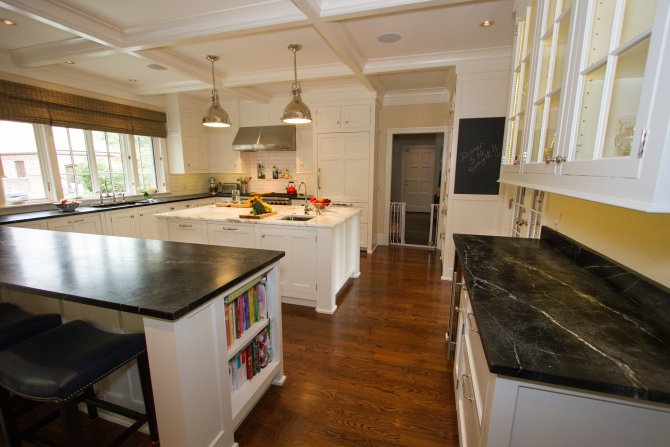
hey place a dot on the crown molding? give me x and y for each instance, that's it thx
(417, 96)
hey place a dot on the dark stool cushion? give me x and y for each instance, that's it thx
(17, 325)
(61, 363)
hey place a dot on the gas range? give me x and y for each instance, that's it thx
(273, 198)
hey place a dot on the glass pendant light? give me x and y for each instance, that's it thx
(216, 116)
(296, 112)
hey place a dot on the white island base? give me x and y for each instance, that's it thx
(321, 253)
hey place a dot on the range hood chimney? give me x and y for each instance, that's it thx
(265, 138)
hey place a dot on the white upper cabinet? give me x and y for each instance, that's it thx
(347, 116)
(595, 126)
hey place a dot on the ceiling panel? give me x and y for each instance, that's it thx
(416, 80)
(434, 30)
(146, 12)
(27, 32)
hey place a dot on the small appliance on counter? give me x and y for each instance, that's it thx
(290, 189)
(212, 186)
(227, 188)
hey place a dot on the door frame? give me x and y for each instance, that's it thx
(444, 187)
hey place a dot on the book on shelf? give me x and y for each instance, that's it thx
(246, 308)
(250, 360)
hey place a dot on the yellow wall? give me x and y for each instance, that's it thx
(640, 241)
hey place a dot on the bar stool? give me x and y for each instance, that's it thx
(17, 325)
(61, 366)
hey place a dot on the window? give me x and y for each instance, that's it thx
(20, 163)
(88, 162)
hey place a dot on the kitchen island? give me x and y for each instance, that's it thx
(322, 253)
(181, 292)
(557, 345)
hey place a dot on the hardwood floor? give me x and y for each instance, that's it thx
(374, 374)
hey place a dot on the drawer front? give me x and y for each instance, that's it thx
(187, 231)
(231, 235)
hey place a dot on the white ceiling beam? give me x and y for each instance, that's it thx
(67, 19)
(274, 76)
(340, 43)
(349, 9)
(58, 52)
(433, 60)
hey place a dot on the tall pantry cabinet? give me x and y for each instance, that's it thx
(344, 135)
(588, 112)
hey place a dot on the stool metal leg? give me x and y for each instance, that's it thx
(9, 430)
(147, 392)
(70, 419)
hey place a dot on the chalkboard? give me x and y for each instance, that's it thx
(478, 153)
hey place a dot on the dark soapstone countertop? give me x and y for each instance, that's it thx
(54, 212)
(544, 317)
(159, 279)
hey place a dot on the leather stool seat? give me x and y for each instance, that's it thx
(17, 325)
(62, 364)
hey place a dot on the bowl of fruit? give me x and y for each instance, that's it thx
(320, 202)
(67, 206)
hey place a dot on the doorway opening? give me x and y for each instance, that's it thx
(416, 175)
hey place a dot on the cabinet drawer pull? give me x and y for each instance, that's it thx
(185, 226)
(75, 221)
(229, 228)
(473, 327)
(262, 235)
(470, 398)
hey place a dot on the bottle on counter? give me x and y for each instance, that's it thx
(260, 172)
(275, 172)
(286, 174)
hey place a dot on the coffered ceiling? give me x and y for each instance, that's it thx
(109, 45)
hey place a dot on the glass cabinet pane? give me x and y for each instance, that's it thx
(638, 16)
(588, 118)
(538, 110)
(561, 48)
(552, 124)
(625, 100)
(601, 34)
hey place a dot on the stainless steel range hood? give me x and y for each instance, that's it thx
(265, 138)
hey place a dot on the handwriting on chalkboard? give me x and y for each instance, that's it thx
(480, 155)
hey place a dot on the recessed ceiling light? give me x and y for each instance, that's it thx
(70, 62)
(487, 23)
(8, 22)
(156, 67)
(389, 38)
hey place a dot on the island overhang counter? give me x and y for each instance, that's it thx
(322, 253)
(181, 291)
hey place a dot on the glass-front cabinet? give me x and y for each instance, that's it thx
(595, 125)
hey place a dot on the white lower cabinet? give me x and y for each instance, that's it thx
(187, 231)
(297, 268)
(231, 234)
(497, 411)
(78, 224)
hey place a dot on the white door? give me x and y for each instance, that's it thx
(419, 177)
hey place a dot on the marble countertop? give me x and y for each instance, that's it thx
(542, 317)
(52, 212)
(332, 216)
(158, 279)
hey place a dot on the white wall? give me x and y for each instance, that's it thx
(482, 91)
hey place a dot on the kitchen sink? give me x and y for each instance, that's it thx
(297, 218)
(109, 205)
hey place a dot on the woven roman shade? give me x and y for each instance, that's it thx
(21, 102)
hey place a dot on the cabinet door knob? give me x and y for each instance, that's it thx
(262, 235)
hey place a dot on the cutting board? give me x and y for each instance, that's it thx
(258, 216)
(233, 205)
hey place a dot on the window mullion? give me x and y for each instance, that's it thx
(92, 162)
(129, 157)
(161, 178)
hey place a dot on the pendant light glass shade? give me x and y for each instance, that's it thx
(296, 112)
(215, 116)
